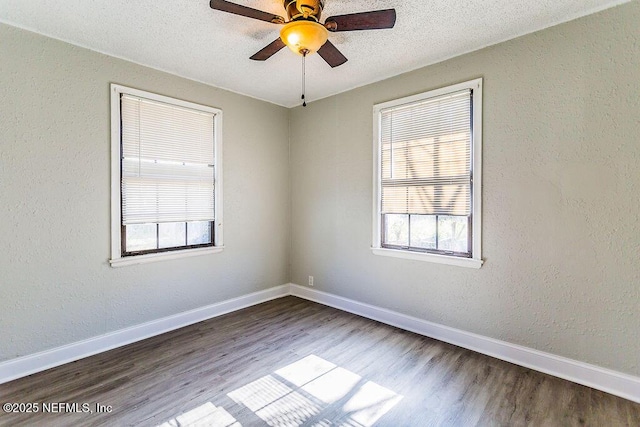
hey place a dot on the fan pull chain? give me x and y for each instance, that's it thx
(304, 74)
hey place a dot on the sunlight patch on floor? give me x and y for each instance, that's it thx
(370, 403)
(316, 392)
(304, 370)
(289, 411)
(260, 393)
(206, 415)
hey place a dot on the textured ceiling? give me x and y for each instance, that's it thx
(188, 38)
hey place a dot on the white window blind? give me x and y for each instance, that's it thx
(426, 157)
(167, 162)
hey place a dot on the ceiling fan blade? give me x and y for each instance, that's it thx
(269, 50)
(374, 20)
(331, 54)
(227, 6)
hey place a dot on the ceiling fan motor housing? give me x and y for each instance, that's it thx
(304, 9)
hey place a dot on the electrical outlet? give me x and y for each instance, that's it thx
(310, 280)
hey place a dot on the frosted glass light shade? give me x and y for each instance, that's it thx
(304, 36)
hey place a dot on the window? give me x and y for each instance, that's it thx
(166, 172)
(427, 176)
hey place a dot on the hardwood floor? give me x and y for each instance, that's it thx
(294, 362)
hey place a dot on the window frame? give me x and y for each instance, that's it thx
(475, 261)
(118, 258)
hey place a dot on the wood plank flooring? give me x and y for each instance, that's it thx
(293, 362)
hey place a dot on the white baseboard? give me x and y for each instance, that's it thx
(617, 383)
(30, 364)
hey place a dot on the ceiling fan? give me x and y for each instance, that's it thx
(303, 33)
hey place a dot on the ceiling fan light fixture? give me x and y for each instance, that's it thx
(304, 37)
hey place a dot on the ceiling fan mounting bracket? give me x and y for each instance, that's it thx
(304, 9)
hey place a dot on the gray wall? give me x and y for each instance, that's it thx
(56, 285)
(561, 195)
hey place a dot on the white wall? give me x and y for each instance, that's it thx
(561, 164)
(56, 286)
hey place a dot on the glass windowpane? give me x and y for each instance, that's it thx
(171, 234)
(198, 232)
(396, 229)
(453, 233)
(423, 231)
(140, 237)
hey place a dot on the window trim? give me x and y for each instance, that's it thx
(476, 167)
(117, 259)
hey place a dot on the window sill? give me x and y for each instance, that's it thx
(163, 256)
(435, 258)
